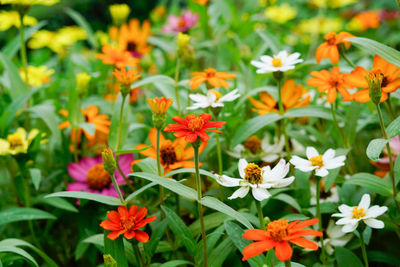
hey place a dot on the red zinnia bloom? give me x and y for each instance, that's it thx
(194, 126)
(278, 235)
(127, 222)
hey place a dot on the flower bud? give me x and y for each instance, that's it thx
(109, 163)
(159, 107)
(119, 13)
(182, 41)
(374, 80)
(126, 79)
(109, 261)
(82, 81)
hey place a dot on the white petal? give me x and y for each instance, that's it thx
(279, 171)
(270, 158)
(311, 152)
(241, 166)
(198, 98)
(375, 211)
(334, 163)
(365, 202)
(344, 220)
(329, 154)
(241, 192)
(374, 223)
(228, 181)
(284, 182)
(322, 172)
(348, 228)
(266, 59)
(345, 209)
(260, 193)
(258, 64)
(302, 164)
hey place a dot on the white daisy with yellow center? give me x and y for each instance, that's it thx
(258, 179)
(318, 163)
(351, 216)
(283, 62)
(212, 99)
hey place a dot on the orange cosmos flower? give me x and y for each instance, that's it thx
(115, 56)
(173, 154)
(331, 82)
(279, 235)
(330, 49)
(127, 222)
(293, 96)
(367, 19)
(212, 77)
(194, 126)
(126, 77)
(390, 79)
(159, 105)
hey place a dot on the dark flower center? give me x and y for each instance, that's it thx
(98, 178)
(167, 154)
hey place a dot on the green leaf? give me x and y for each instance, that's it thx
(24, 214)
(36, 176)
(251, 126)
(375, 148)
(87, 127)
(269, 40)
(17, 87)
(156, 235)
(289, 200)
(113, 135)
(20, 252)
(139, 191)
(148, 165)
(397, 170)
(47, 113)
(393, 128)
(180, 230)
(380, 256)
(352, 115)
(174, 263)
(127, 151)
(186, 170)
(210, 221)
(344, 258)
(311, 111)
(56, 202)
(153, 79)
(82, 22)
(221, 252)
(372, 182)
(116, 249)
(374, 47)
(85, 195)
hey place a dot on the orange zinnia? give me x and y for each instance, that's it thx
(127, 222)
(212, 77)
(330, 49)
(159, 105)
(367, 19)
(194, 126)
(115, 88)
(173, 154)
(331, 82)
(293, 96)
(115, 56)
(279, 235)
(126, 77)
(390, 79)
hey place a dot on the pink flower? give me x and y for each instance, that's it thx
(90, 176)
(180, 24)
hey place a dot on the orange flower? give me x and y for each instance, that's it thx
(133, 93)
(194, 126)
(173, 154)
(293, 96)
(212, 77)
(126, 77)
(201, 2)
(279, 235)
(159, 105)
(367, 19)
(127, 222)
(331, 82)
(330, 49)
(390, 79)
(115, 56)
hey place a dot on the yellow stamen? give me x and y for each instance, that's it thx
(278, 229)
(317, 161)
(253, 174)
(276, 62)
(216, 93)
(358, 212)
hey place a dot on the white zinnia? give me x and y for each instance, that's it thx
(283, 61)
(212, 99)
(320, 163)
(258, 179)
(351, 216)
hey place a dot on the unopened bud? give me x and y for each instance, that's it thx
(182, 41)
(109, 261)
(109, 163)
(82, 82)
(374, 80)
(119, 13)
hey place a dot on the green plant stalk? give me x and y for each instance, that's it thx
(114, 181)
(318, 179)
(282, 111)
(199, 197)
(138, 255)
(288, 263)
(364, 250)
(343, 54)
(176, 78)
(389, 150)
(260, 214)
(389, 107)
(159, 166)
(24, 60)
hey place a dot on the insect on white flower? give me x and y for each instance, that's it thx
(212, 99)
(258, 179)
(351, 216)
(283, 62)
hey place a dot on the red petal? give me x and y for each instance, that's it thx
(132, 210)
(123, 212)
(255, 234)
(114, 216)
(205, 116)
(257, 248)
(305, 243)
(142, 236)
(140, 214)
(180, 120)
(304, 232)
(144, 222)
(114, 235)
(110, 226)
(283, 251)
(129, 234)
(305, 223)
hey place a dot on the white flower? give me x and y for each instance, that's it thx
(320, 163)
(331, 196)
(212, 99)
(280, 62)
(258, 179)
(351, 216)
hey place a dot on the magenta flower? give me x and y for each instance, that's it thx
(90, 176)
(180, 24)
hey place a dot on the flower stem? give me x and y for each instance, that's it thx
(199, 197)
(159, 166)
(343, 54)
(281, 111)
(114, 181)
(318, 179)
(138, 255)
(288, 263)
(260, 214)
(176, 78)
(389, 150)
(389, 108)
(24, 60)
(364, 250)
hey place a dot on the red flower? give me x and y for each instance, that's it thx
(194, 126)
(278, 235)
(127, 223)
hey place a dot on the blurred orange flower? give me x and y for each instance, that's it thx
(115, 56)
(212, 77)
(126, 77)
(201, 2)
(330, 49)
(367, 19)
(159, 105)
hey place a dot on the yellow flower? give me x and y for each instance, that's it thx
(281, 13)
(17, 142)
(119, 13)
(332, 3)
(82, 80)
(158, 13)
(319, 25)
(182, 40)
(12, 18)
(29, 2)
(37, 76)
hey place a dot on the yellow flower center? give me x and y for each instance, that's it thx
(253, 144)
(196, 124)
(15, 140)
(216, 93)
(167, 153)
(276, 62)
(358, 212)
(97, 177)
(317, 161)
(253, 174)
(278, 229)
(331, 38)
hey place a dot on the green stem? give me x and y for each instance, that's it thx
(389, 150)
(260, 214)
(159, 166)
(282, 111)
(138, 255)
(343, 54)
(24, 60)
(178, 101)
(318, 180)
(199, 197)
(219, 154)
(389, 108)
(114, 181)
(288, 263)
(364, 250)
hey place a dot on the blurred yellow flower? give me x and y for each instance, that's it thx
(319, 25)
(119, 13)
(281, 13)
(82, 80)
(12, 18)
(332, 3)
(264, 3)
(182, 40)
(17, 142)
(29, 2)
(37, 76)
(158, 13)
